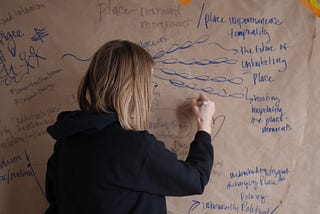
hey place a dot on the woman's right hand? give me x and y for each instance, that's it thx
(203, 112)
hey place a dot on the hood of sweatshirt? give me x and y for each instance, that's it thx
(73, 122)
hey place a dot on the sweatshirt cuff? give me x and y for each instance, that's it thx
(203, 136)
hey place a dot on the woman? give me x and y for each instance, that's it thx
(104, 160)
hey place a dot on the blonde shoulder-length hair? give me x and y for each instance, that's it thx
(119, 80)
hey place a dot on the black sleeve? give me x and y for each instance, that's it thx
(51, 183)
(162, 173)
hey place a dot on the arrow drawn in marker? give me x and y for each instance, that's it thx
(226, 49)
(194, 205)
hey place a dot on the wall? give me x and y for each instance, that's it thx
(255, 59)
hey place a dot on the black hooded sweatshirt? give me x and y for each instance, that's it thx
(100, 168)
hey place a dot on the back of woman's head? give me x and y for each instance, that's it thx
(119, 80)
